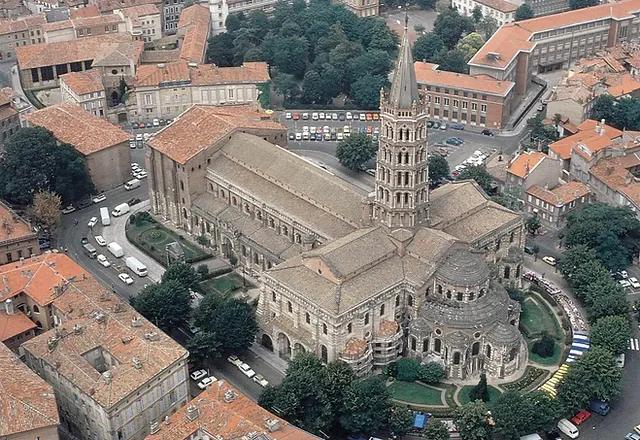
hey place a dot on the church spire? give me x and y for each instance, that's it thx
(404, 88)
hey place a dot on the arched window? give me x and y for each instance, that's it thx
(36, 309)
(259, 215)
(425, 345)
(518, 271)
(382, 310)
(272, 223)
(273, 296)
(513, 353)
(507, 272)
(284, 230)
(323, 353)
(397, 300)
(456, 358)
(448, 294)
(511, 236)
(475, 349)
(298, 238)
(349, 328)
(439, 288)
(471, 296)
(437, 345)
(413, 343)
(482, 292)
(487, 351)
(307, 318)
(234, 201)
(289, 307)
(366, 318)
(426, 293)
(410, 300)
(256, 258)
(460, 295)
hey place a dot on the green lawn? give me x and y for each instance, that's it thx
(536, 318)
(416, 393)
(224, 284)
(152, 237)
(463, 396)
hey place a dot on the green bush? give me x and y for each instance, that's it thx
(203, 270)
(408, 370)
(544, 346)
(431, 372)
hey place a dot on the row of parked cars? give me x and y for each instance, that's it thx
(326, 133)
(157, 122)
(332, 116)
(477, 158)
(625, 280)
(204, 379)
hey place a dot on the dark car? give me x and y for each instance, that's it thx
(341, 116)
(83, 204)
(84, 240)
(436, 124)
(457, 126)
(487, 132)
(312, 137)
(529, 249)
(429, 124)
(133, 201)
(552, 435)
(454, 141)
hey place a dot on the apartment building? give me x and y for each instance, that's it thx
(9, 116)
(114, 373)
(17, 239)
(553, 205)
(474, 100)
(362, 8)
(28, 406)
(521, 49)
(143, 21)
(532, 168)
(171, 10)
(20, 32)
(500, 10)
(548, 7)
(40, 6)
(219, 11)
(83, 27)
(104, 146)
(86, 90)
(193, 32)
(616, 179)
(167, 90)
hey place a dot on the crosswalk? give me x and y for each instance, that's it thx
(634, 344)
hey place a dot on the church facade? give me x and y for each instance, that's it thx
(362, 278)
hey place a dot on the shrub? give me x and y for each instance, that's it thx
(544, 346)
(480, 391)
(203, 270)
(408, 370)
(432, 372)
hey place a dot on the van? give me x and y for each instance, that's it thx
(568, 428)
(104, 216)
(132, 184)
(136, 266)
(599, 407)
(115, 249)
(531, 437)
(121, 209)
(89, 250)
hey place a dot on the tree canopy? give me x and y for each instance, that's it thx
(519, 414)
(524, 12)
(472, 421)
(354, 151)
(480, 175)
(450, 26)
(45, 209)
(579, 4)
(34, 160)
(165, 304)
(470, 44)
(620, 113)
(438, 168)
(184, 274)
(429, 47)
(612, 333)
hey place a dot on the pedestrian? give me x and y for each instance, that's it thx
(75, 222)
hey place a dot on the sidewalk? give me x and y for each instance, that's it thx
(116, 232)
(269, 357)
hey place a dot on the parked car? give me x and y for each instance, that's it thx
(84, 240)
(260, 380)
(634, 282)
(436, 124)
(246, 370)
(100, 240)
(68, 209)
(529, 249)
(125, 278)
(632, 436)
(156, 122)
(637, 429)
(454, 141)
(624, 283)
(549, 260)
(206, 382)
(233, 359)
(295, 116)
(487, 132)
(287, 115)
(568, 428)
(92, 222)
(581, 417)
(552, 435)
(305, 116)
(363, 117)
(599, 407)
(371, 172)
(103, 260)
(321, 116)
(443, 126)
(376, 116)
(456, 126)
(314, 116)
(620, 361)
(99, 198)
(292, 136)
(83, 204)
(349, 116)
(133, 201)
(199, 374)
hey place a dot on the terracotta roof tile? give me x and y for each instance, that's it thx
(13, 324)
(202, 126)
(28, 402)
(387, 328)
(499, 5)
(586, 141)
(21, 24)
(111, 5)
(86, 11)
(526, 162)
(13, 227)
(194, 24)
(623, 85)
(141, 10)
(426, 74)
(614, 173)
(202, 75)
(81, 83)
(73, 125)
(223, 411)
(560, 195)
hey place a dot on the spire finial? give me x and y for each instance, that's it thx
(406, 21)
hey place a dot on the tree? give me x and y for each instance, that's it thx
(436, 430)
(612, 333)
(366, 406)
(45, 209)
(627, 113)
(400, 420)
(480, 391)
(232, 319)
(220, 49)
(204, 347)
(438, 168)
(408, 369)
(182, 273)
(339, 378)
(470, 44)
(287, 86)
(354, 151)
(454, 61)
(450, 26)
(480, 175)
(472, 421)
(34, 160)
(605, 299)
(476, 14)
(524, 12)
(166, 304)
(575, 257)
(366, 91)
(429, 47)
(509, 198)
(518, 414)
(432, 372)
(579, 4)
(544, 346)
(532, 224)
(593, 376)
(604, 107)
(487, 27)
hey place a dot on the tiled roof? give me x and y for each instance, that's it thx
(81, 83)
(513, 38)
(13, 227)
(194, 24)
(614, 173)
(73, 125)
(21, 24)
(27, 402)
(151, 75)
(426, 74)
(96, 318)
(560, 195)
(13, 324)
(86, 11)
(83, 49)
(624, 85)
(110, 5)
(40, 277)
(202, 126)
(499, 5)
(141, 10)
(586, 141)
(526, 162)
(224, 412)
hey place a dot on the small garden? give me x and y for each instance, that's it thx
(151, 237)
(416, 393)
(542, 331)
(531, 378)
(225, 284)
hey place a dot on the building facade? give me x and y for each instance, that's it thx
(143, 22)
(532, 168)
(17, 238)
(20, 32)
(362, 8)
(86, 90)
(9, 116)
(553, 205)
(548, 7)
(500, 10)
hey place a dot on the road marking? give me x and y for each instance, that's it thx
(634, 344)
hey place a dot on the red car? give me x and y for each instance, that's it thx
(369, 117)
(376, 116)
(296, 116)
(581, 417)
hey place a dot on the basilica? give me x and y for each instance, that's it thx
(360, 277)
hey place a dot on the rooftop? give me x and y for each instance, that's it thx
(86, 11)
(526, 162)
(27, 402)
(13, 324)
(592, 136)
(194, 24)
(616, 173)
(12, 226)
(623, 85)
(71, 124)
(560, 195)
(512, 38)
(110, 5)
(21, 24)
(104, 347)
(499, 5)
(201, 126)
(140, 10)
(81, 83)
(154, 75)
(427, 74)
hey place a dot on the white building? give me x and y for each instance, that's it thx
(86, 90)
(142, 21)
(501, 10)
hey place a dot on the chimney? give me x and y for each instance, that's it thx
(192, 413)
(272, 424)
(107, 376)
(154, 428)
(8, 307)
(136, 363)
(136, 322)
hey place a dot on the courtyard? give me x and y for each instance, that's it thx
(226, 284)
(537, 318)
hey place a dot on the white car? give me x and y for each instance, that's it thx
(298, 136)
(100, 240)
(99, 198)
(206, 382)
(620, 360)
(287, 115)
(246, 370)
(140, 175)
(624, 274)
(349, 116)
(125, 278)
(92, 222)
(443, 126)
(146, 136)
(233, 359)
(314, 116)
(625, 283)
(69, 209)
(334, 116)
(103, 260)
(197, 375)
(139, 137)
(321, 115)
(549, 260)
(133, 145)
(156, 122)
(363, 117)
(260, 380)
(634, 282)
(637, 429)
